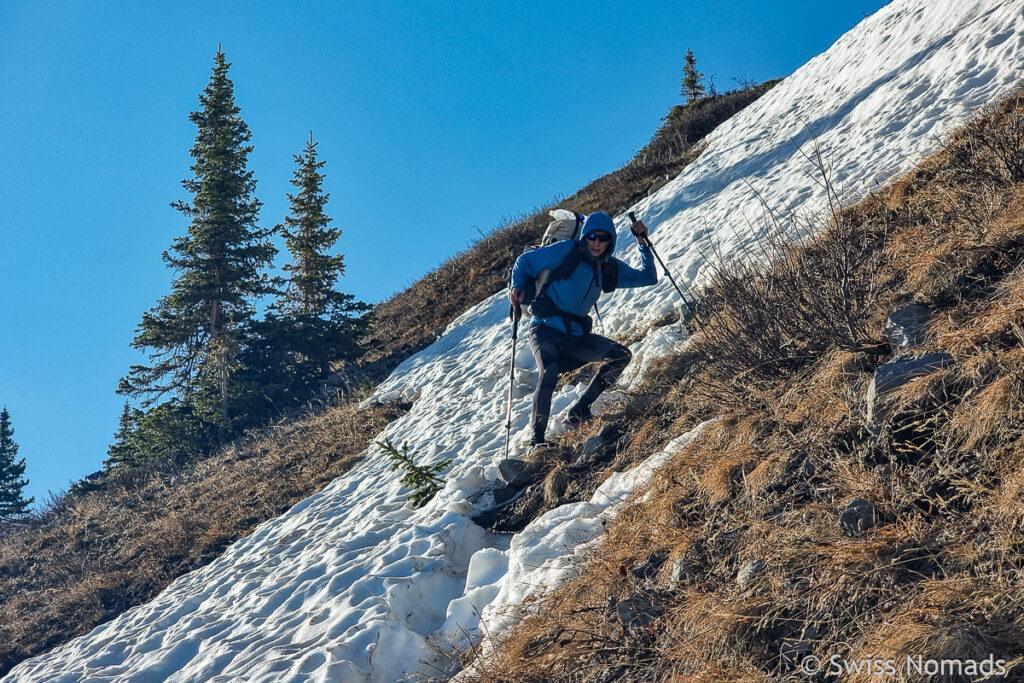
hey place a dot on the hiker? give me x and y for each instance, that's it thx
(560, 333)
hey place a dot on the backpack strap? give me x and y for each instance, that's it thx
(544, 307)
(567, 266)
(609, 275)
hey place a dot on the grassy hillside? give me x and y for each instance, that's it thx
(794, 526)
(89, 557)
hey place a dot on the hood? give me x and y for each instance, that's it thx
(599, 221)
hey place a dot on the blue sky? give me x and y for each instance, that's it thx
(436, 120)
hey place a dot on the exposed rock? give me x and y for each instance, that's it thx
(595, 446)
(689, 310)
(517, 473)
(858, 516)
(902, 369)
(637, 611)
(748, 572)
(335, 380)
(503, 494)
(907, 327)
(894, 374)
(649, 568)
(795, 649)
(514, 515)
(679, 574)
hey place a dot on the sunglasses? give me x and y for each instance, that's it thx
(599, 236)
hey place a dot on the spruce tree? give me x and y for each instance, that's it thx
(425, 480)
(12, 473)
(124, 451)
(194, 334)
(692, 79)
(322, 319)
(309, 236)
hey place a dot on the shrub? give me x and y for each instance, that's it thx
(422, 478)
(785, 305)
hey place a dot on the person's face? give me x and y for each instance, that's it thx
(598, 242)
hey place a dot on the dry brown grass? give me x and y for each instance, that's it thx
(941, 572)
(775, 312)
(99, 554)
(962, 618)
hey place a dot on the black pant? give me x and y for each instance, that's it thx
(557, 352)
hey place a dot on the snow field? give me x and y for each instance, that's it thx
(352, 585)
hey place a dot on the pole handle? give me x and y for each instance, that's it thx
(646, 240)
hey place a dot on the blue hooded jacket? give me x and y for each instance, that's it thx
(578, 293)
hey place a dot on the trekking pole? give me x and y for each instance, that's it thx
(515, 312)
(650, 245)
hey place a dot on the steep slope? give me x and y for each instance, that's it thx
(87, 557)
(828, 520)
(353, 585)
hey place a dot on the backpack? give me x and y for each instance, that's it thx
(565, 226)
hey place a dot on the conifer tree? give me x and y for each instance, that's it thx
(124, 451)
(322, 319)
(12, 473)
(309, 236)
(194, 333)
(425, 480)
(693, 87)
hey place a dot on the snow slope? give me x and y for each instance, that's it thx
(351, 585)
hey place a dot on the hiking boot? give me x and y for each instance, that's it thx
(576, 417)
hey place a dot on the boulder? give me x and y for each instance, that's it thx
(595, 446)
(907, 327)
(858, 516)
(637, 611)
(517, 473)
(748, 572)
(897, 372)
(504, 493)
